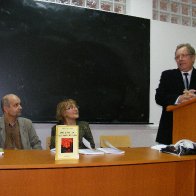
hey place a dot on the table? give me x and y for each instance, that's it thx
(139, 172)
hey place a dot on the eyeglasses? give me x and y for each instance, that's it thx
(72, 107)
(182, 56)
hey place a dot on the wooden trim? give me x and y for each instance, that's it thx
(175, 107)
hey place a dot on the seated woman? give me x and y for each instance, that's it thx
(67, 113)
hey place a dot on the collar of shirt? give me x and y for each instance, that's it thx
(10, 124)
(189, 72)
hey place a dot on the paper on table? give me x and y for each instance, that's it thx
(108, 144)
(53, 150)
(111, 149)
(89, 149)
(159, 146)
(86, 143)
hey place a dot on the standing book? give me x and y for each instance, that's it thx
(67, 142)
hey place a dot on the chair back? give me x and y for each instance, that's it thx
(115, 140)
(48, 142)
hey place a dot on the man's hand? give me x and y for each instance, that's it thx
(187, 95)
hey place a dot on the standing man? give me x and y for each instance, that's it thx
(16, 132)
(176, 86)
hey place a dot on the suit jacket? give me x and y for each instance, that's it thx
(28, 135)
(84, 131)
(171, 86)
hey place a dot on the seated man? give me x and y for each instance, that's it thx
(16, 132)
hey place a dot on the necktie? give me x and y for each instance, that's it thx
(186, 80)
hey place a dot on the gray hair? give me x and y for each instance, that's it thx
(190, 49)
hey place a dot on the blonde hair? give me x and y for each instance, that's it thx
(62, 106)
